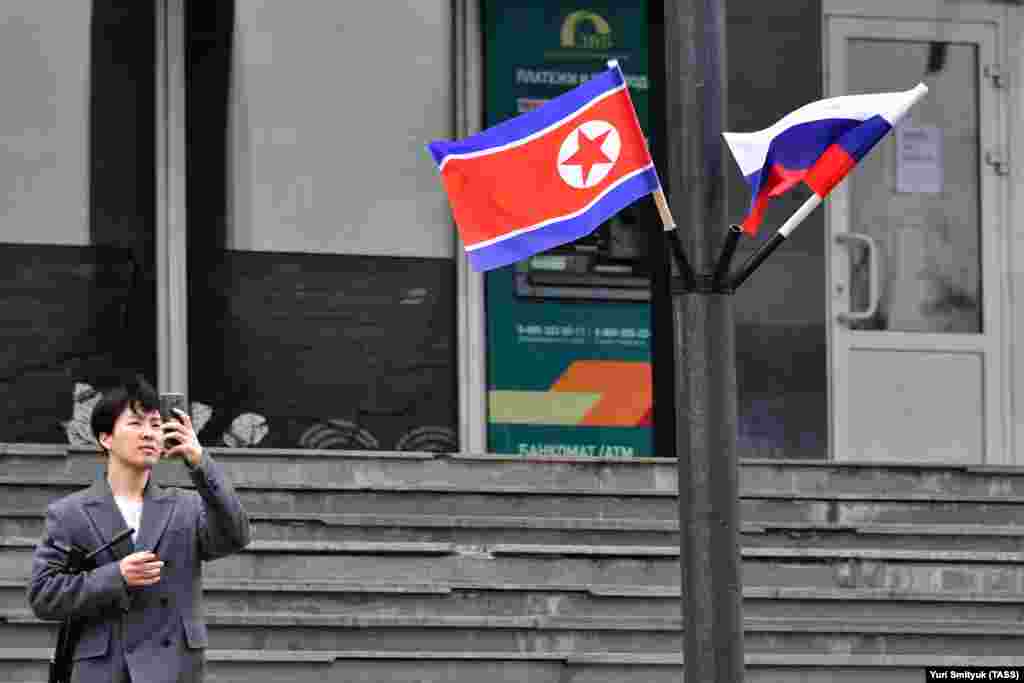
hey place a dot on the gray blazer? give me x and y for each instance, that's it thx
(157, 632)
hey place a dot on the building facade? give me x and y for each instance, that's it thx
(237, 202)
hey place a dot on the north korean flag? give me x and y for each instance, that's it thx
(549, 176)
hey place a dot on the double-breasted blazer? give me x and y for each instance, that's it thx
(157, 632)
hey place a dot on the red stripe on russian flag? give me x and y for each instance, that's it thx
(829, 170)
(779, 181)
(753, 220)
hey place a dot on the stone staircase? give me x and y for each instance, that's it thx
(421, 567)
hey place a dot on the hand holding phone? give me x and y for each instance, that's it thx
(168, 404)
(141, 569)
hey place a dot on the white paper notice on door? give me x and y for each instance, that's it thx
(919, 159)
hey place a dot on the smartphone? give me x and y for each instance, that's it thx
(168, 403)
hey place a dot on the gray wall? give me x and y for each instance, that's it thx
(330, 113)
(44, 69)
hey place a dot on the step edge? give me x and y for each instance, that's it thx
(428, 548)
(744, 495)
(788, 593)
(611, 624)
(756, 659)
(604, 524)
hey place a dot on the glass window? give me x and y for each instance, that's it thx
(781, 351)
(321, 268)
(926, 214)
(76, 281)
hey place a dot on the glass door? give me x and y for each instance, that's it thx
(913, 233)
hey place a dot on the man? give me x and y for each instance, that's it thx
(142, 608)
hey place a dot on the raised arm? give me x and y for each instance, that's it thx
(223, 522)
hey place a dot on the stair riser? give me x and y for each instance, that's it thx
(455, 604)
(839, 540)
(16, 564)
(264, 467)
(878, 480)
(404, 639)
(428, 671)
(618, 610)
(458, 604)
(351, 671)
(267, 530)
(263, 529)
(29, 500)
(521, 641)
(26, 500)
(525, 570)
(915, 577)
(260, 470)
(470, 603)
(228, 672)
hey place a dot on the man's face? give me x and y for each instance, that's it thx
(136, 441)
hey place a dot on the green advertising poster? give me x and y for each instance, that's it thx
(568, 331)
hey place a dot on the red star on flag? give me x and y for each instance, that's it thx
(589, 154)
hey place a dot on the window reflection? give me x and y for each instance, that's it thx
(76, 276)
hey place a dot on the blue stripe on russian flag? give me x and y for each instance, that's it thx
(797, 148)
(542, 238)
(532, 122)
(861, 139)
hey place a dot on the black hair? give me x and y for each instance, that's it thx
(138, 394)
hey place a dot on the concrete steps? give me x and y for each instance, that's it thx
(383, 566)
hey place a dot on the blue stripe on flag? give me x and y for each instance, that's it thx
(797, 148)
(861, 139)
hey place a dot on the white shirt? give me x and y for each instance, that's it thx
(131, 510)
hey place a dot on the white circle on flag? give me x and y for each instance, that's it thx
(585, 161)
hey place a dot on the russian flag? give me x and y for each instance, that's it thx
(549, 176)
(817, 144)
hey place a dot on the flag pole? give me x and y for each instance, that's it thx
(778, 238)
(711, 588)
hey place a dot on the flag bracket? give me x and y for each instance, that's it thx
(703, 283)
(716, 282)
(756, 259)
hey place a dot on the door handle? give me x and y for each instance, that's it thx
(874, 286)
